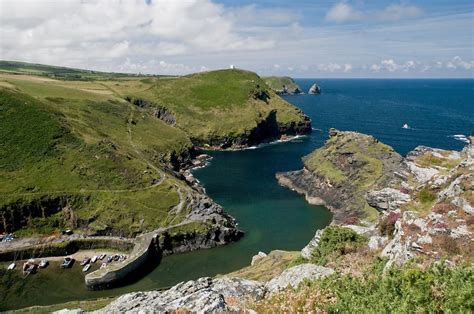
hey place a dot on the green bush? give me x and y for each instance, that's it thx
(402, 290)
(426, 196)
(336, 241)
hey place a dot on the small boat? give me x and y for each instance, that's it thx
(103, 265)
(67, 263)
(102, 256)
(94, 259)
(86, 268)
(405, 126)
(43, 264)
(11, 266)
(116, 257)
(30, 269)
(85, 261)
(110, 259)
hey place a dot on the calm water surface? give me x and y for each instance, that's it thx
(274, 217)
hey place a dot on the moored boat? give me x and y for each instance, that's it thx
(67, 262)
(86, 260)
(44, 263)
(94, 259)
(11, 266)
(86, 268)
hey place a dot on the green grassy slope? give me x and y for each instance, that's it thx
(213, 105)
(80, 145)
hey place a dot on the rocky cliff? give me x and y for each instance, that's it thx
(265, 130)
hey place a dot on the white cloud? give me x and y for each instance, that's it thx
(343, 12)
(347, 68)
(397, 12)
(389, 65)
(457, 62)
(69, 31)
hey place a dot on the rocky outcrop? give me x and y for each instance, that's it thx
(387, 199)
(209, 295)
(309, 248)
(292, 277)
(340, 174)
(256, 258)
(205, 295)
(158, 111)
(314, 89)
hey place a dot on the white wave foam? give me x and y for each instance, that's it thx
(461, 137)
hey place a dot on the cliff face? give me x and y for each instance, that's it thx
(340, 173)
(265, 130)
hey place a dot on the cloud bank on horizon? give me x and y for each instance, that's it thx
(300, 38)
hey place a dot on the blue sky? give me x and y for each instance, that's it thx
(297, 38)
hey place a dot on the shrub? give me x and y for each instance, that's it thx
(336, 241)
(402, 290)
(426, 196)
(351, 220)
(437, 289)
(443, 208)
(449, 245)
(387, 225)
(470, 220)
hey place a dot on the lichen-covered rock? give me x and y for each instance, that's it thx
(293, 276)
(258, 257)
(377, 242)
(309, 248)
(203, 295)
(387, 199)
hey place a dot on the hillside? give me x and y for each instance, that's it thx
(103, 156)
(282, 85)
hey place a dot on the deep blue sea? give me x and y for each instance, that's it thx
(244, 183)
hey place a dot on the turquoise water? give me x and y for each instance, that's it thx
(276, 218)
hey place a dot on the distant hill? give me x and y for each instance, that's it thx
(56, 72)
(282, 85)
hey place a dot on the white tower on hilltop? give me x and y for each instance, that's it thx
(232, 67)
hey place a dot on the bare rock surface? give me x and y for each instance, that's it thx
(293, 276)
(199, 296)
